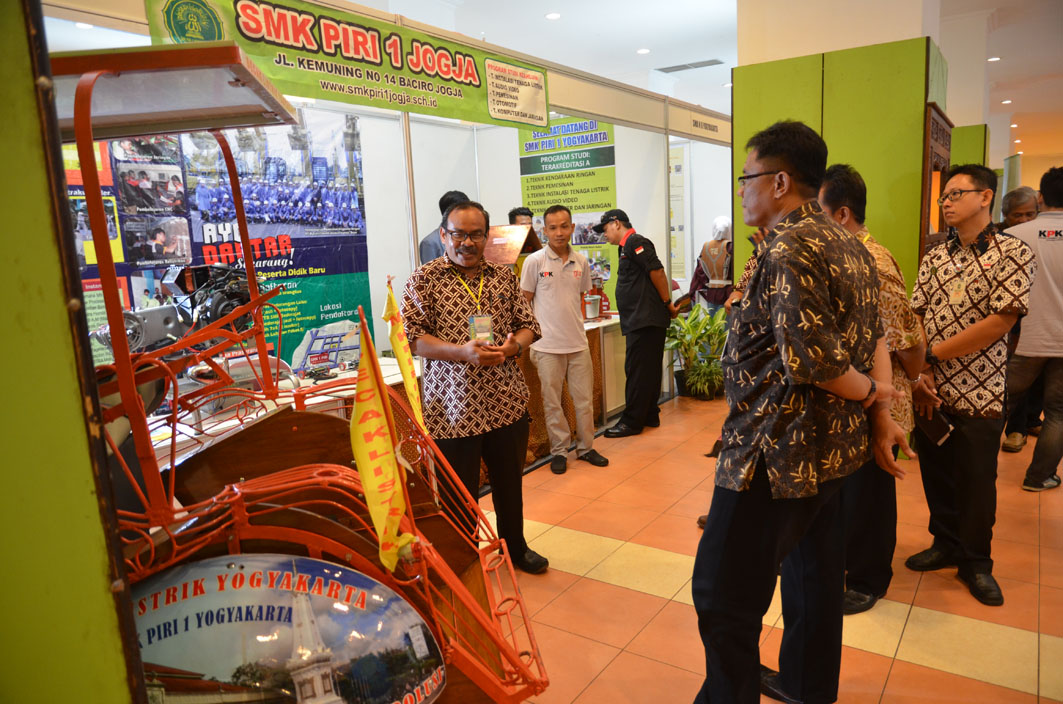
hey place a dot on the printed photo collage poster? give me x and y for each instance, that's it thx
(573, 163)
(169, 203)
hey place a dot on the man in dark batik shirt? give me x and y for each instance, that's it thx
(802, 342)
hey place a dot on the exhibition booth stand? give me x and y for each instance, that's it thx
(389, 115)
(231, 246)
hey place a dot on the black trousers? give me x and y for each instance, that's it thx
(960, 482)
(747, 537)
(503, 451)
(869, 511)
(642, 366)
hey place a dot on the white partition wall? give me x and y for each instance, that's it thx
(498, 165)
(642, 183)
(711, 189)
(444, 159)
(386, 213)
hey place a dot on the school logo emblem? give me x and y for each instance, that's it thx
(191, 21)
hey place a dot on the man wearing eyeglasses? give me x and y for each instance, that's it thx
(805, 364)
(971, 290)
(467, 319)
(644, 300)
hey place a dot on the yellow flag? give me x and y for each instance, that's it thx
(373, 442)
(401, 347)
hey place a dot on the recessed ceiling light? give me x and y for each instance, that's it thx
(553, 15)
(1019, 152)
(1005, 102)
(993, 58)
(643, 51)
(728, 85)
(83, 25)
(1014, 124)
(1018, 141)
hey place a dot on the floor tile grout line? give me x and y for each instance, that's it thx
(897, 650)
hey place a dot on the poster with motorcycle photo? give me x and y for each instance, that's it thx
(170, 205)
(303, 197)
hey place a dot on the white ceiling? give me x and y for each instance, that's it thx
(603, 38)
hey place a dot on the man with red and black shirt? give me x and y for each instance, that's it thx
(644, 300)
(971, 290)
(469, 321)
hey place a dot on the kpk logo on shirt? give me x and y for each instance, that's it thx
(1050, 234)
(546, 274)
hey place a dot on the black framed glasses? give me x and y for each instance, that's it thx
(748, 177)
(957, 193)
(457, 236)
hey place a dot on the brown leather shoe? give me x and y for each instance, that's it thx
(702, 520)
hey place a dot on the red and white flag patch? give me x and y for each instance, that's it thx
(638, 250)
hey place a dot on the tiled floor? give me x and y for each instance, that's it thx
(614, 618)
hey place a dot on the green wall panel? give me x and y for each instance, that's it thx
(969, 144)
(61, 633)
(791, 89)
(937, 77)
(873, 119)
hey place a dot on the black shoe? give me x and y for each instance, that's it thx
(702, 520)
(854, 602)
(933, 558)
(716, 447)
(1043, 485)
(654, 422)
(594, 458)
(531, 562)
(558, 464)
(621, 430)
(983, 588)
(771, 687)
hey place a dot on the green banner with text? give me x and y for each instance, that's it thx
(317, 52)
(573, 163)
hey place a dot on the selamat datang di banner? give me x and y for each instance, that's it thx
(319, 52)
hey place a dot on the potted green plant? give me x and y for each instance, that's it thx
(698, 341)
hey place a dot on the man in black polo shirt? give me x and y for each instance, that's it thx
(644, 300)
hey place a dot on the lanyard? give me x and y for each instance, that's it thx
(475, 296)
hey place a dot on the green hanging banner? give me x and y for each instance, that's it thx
(317, 52)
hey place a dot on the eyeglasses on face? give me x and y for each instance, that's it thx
(957, 193)
(748, 177)
(457, 236)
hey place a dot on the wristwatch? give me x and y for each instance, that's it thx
(871, 391)
(931, 358)
(520, 349)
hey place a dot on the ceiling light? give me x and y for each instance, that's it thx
(553, 15)
(82, 25)
(1005, 102)
(1019, 152)
(643, 51)
(993, 58)
(1014, 124)
(1018, 141)
(728, 85)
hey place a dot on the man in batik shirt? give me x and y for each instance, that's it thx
(971, 290)
(802, 341)
(869, 496)
(467, 318)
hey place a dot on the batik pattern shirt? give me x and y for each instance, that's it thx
(460, 399)
(899, 324)
(810, 311)
(958, 286)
